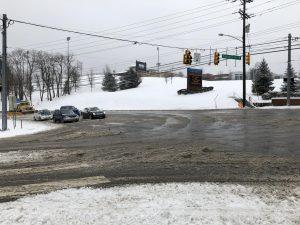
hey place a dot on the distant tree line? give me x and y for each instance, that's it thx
(52, 75)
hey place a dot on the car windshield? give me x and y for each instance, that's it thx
(94, 109)
(45, 112)
(67, 107)
(67, 112)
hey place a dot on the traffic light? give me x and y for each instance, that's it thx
(248, 58)
(216, 58)
(187, 57)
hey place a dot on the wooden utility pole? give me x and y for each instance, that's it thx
(244, 52)
(288, 80)
(4, 75)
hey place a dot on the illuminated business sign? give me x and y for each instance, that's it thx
(194, 79)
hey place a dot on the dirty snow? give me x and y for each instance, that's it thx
(156, 94)
(189, 203)
(28, 127)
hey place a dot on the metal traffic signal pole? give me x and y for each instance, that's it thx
(4, 75)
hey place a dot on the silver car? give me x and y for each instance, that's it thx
(42, 115)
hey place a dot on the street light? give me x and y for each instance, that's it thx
(234, 37)
(244, 61)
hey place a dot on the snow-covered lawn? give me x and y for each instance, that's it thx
(156, 94)
(28, 127)
(190, 203)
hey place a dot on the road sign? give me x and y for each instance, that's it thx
(141, 66)
(236, 57)
(197, 57)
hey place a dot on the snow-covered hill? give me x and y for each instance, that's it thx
(155, 94)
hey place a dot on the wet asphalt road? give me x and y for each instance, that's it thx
(156, 146)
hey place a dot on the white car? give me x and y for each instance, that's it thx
(44, 114)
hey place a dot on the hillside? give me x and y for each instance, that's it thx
(155, 94)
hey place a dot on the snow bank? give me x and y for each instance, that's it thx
(28, 128)
(156, 94)
(190, 203)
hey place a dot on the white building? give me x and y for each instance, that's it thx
(236, 75)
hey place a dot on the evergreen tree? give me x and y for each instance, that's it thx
(109, 82)
(294, 85)
(262, 82)
(130, 79)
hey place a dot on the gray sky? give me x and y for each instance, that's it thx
(189, 23)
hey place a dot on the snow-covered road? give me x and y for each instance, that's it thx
(176, 203)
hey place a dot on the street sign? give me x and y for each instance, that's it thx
(141, 66)
(236, 57)
(197, 57)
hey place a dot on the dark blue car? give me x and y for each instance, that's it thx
(74, 109)
(65, 115)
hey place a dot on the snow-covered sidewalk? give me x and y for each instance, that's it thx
(28, 127)
(189, 203)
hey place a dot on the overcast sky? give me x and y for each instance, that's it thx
(188, 24)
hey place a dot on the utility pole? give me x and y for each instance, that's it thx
(4, 78)
(209, 56)
(244, 52)
(288, 90)
(68, 66)
(245, 16)
(158, 63)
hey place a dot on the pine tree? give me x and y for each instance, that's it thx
(262, 82)
(109, 82)
(294, 85)
(130, 79)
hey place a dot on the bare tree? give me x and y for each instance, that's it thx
(59, 68)
(47, 71)
(17, 62)
(31, 58)
(91, 79)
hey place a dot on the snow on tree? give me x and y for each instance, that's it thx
(263, 79)
(130, 79)
(109, 82)
(294, 83)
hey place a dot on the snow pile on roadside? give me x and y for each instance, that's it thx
(28, 127)
(156, 94)
(189, 203)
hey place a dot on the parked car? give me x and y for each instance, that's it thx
(65, 115)
(93, 113)
(42, 115)
(25, 107)
(74, 109)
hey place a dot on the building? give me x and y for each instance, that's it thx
(236, 75)
(209, 76)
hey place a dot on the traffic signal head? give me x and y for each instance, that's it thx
(187, 58)
(216, 58)
(248, 58)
